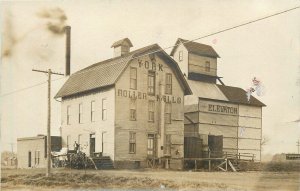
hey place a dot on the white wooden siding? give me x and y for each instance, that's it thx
(197, 64)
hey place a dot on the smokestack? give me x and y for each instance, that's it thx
(68, 50)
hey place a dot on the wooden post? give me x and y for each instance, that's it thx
(49, 126)
(49, 72)
(195, 165)
(226, 156)
(209, 161)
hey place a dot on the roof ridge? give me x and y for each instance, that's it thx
(115, 58)
(196, 48)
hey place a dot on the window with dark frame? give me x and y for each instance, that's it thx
(207, 66)
(151, 83)
(151, 106)
(133, 78)
(168, 87)
(180, 55)
(132, 109)
(80, 117)
(168, 109)
(92, 111)
(150, 145)
(104, 109)
(37, 157)
(132, 142)
(68, 115)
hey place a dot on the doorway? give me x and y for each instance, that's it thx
(151, 145)
(215, 144)
(92, 144)
(29, 159)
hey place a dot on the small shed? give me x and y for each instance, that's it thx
(32, 151)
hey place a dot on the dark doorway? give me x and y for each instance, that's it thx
(192, 147)
(92, 144)
(215, 144)
(29, 159)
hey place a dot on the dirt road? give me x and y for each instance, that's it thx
(34, 179)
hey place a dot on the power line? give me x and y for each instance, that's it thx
(162, 49)
(29, 87)
(224, 30)
(205, 36)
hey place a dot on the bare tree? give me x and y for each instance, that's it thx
(264, 141)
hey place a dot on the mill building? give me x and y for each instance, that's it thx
(129, 108)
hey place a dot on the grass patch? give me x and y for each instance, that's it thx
(290, 166)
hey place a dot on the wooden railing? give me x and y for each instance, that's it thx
(225, 158)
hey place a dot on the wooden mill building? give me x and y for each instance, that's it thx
(220, 116)
(129, 108)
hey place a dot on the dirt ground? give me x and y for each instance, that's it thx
(149, 179)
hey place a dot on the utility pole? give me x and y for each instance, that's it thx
(49, 72)
(298, 145)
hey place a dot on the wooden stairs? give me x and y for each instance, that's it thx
(102, 162)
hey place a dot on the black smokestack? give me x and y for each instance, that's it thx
(68, 50)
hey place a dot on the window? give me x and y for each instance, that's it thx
(207, 66)
(68, 115)
(180, 55)
(80, 117)
(168, 110)
(150, 147)
(151, 106)
(167, 150)
(92, 111)
(151, 83)
(104, 109)
(132, 143)
(132, 109)
(133, 77)
(168, 89)
(37, 157)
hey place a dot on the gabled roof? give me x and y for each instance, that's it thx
(196, 48)
(121, 42)
(238, 95)
(106, 73)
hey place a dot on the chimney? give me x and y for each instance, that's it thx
(122, 47)
(68, 50)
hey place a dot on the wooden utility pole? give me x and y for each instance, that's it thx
(49, 72)
(298, 145)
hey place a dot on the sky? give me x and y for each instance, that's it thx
(31, 38)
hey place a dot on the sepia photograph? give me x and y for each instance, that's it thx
(150, 95)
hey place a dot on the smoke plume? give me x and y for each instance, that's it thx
(9, 39)
(56, 20)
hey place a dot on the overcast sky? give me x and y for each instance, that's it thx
(268, 50)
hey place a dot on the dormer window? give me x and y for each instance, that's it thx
(180, 55)
(207, 66)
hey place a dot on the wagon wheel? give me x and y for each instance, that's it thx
(64, 163)
(55, 162)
